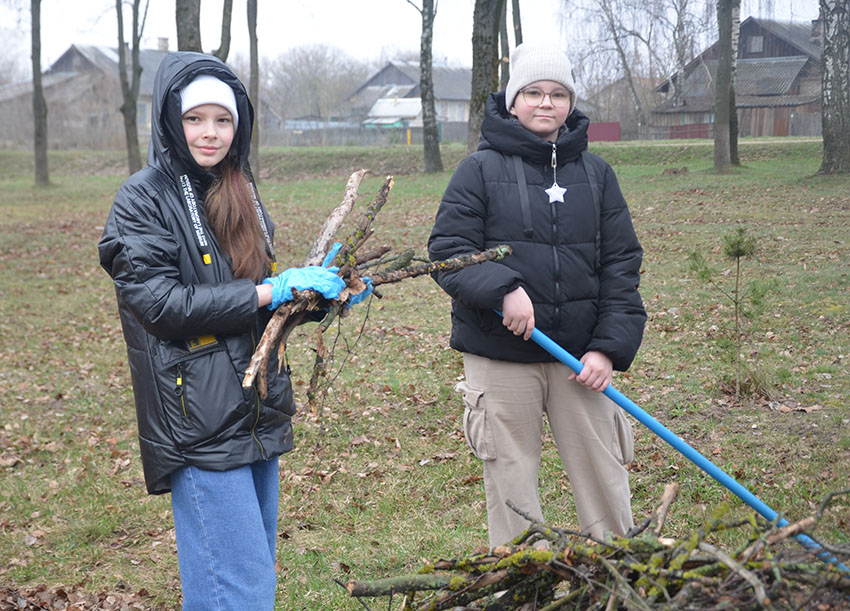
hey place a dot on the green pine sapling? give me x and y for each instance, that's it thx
(737, 245)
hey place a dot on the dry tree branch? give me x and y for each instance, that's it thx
(332, 224)
(671, 492)
(283, 322)
(748, 576)
(292, 313)
(276, 327)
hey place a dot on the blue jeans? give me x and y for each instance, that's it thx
(226, 527)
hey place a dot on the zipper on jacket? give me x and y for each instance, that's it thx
(556, 263)
(179, 388)
(257, 395)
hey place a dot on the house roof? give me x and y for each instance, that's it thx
(450, 83)
(798, 34)
(762, 76)
(395, 108)
(368, 95)
(106, 60)
(14, 90)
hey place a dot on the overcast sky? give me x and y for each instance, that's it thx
(366, 29)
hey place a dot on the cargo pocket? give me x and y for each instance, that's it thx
(476, 430)
(623, 437)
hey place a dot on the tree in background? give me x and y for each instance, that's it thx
(224, 47)
(430, 133)
(517, 22)
(130, 88)
(254, 87)
(39, 104)
(622, 48)
(734, 158)
(683, 25)
(313, 82)
(188, 20)
(612, 13)
(12, 68)
(504, 49)
(485, 63)
(836, 87)
(723, 85)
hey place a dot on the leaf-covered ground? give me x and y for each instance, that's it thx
(381, 478)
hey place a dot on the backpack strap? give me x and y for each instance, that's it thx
(597, 200)
(527, 230)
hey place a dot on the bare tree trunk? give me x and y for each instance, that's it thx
(610, 12)
(226, 17)
(188, 18)
(485, 64)
(254, 87)
(504, 44)
(734, 158)
(680, 40)
(430, 133)
(39, 104)
(517, 23)
(130, 89)
(836, 87)
(722, 159)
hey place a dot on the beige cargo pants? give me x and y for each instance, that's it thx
(503, 425)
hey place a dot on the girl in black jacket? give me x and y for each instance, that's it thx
(189, 246)
(573, 273)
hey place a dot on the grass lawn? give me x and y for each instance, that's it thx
(381, 478)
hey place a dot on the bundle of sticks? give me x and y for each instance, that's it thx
(547, 568)
(351, 259)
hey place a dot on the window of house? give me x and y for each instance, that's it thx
(756, 44)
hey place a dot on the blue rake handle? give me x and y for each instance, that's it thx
(695, 457)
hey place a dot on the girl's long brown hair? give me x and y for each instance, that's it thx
(233, 219)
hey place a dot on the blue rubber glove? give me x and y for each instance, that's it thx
(355, 299)
(331, 254)
(323, 280)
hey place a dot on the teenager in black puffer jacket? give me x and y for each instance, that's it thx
(574, 273)
(188, 244)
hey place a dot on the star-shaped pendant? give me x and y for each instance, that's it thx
(556, 193)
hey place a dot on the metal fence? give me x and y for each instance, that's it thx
(359, 136)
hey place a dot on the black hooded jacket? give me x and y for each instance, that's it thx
(190, 327)
(578, 260)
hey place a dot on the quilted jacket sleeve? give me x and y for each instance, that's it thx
(621, 318)
(153, 278)
(460, 228)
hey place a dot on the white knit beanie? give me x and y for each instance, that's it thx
(531, 62)
(208, 89)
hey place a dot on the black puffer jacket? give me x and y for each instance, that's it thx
(579, 261)
(190, 327)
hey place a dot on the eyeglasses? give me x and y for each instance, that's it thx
(535, 97)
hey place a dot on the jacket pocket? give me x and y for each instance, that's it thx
(476, 429)
(624, 439)
(201, 394)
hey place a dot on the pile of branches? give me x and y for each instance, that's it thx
(354, 262)
(548, 568)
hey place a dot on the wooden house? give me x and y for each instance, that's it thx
(777, 85)
(83, 95)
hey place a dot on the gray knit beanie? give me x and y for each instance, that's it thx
(531, 62)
